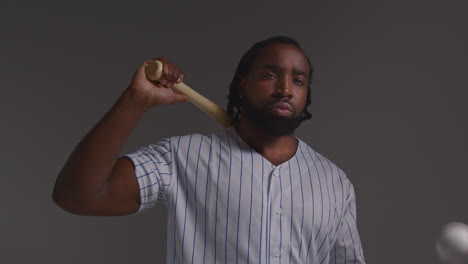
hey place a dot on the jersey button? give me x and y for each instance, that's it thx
(279, 210)
(278, 252)
(276, 172)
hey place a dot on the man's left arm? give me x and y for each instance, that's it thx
(348, 248)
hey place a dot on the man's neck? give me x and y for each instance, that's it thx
(276, 149)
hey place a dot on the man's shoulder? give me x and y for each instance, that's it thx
(320, 160)
(221, 132)
(199, 138)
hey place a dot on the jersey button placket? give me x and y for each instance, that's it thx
(278, 210)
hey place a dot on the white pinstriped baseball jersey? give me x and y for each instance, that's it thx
(228, 204)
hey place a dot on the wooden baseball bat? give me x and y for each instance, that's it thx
(154, 72)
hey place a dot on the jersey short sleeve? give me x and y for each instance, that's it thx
(348, 248)
(154, 169)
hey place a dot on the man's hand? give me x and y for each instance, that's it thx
(158, 93)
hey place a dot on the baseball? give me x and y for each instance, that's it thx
(452, 247)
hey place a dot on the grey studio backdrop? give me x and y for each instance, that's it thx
(389, 105)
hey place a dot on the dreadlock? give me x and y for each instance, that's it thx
(234, 101)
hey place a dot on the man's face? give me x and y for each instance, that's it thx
(274, 92)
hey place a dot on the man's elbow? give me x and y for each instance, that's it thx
(67, 204)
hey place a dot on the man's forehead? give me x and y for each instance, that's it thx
(276, 67)
(281, 55)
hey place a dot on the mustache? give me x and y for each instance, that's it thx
(284, 100)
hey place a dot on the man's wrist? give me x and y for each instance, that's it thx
(136, 100)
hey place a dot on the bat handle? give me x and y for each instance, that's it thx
(154, 72)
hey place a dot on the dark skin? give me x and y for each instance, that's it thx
(280, 72)
(94, 181)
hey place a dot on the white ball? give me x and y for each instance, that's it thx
(452, 247)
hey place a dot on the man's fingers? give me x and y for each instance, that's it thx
(181, 98)
(171, 74)
(181, 78)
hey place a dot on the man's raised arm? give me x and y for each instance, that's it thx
(94, 181)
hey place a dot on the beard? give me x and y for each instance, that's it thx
(265, 120)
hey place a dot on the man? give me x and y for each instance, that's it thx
(251, 193)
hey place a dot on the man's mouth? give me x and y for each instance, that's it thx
(282, 105)
(281, 108)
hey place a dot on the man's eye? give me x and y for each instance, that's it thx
(269, 75)
(299, 81)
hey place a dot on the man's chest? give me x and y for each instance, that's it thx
(299, 201)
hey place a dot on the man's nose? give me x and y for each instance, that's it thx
(283, 88)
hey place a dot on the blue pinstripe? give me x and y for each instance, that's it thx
(186, 195)
(328, 194)
(281, 216)
(352, 239)
(142, 163)
(239, 206)
(351, 213)
(334, 196)
(206, 195)
(175, 206)
(250, 211)
(344, 248)
(302, 193)
(150, 185)
(217, 193)
(321, 202)
(209, 187)
(229, 191)
(164, 153)
(261, 219)
(312, 195)
(292, 212)
(146, 174)
(195, 199)
(269, 237)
